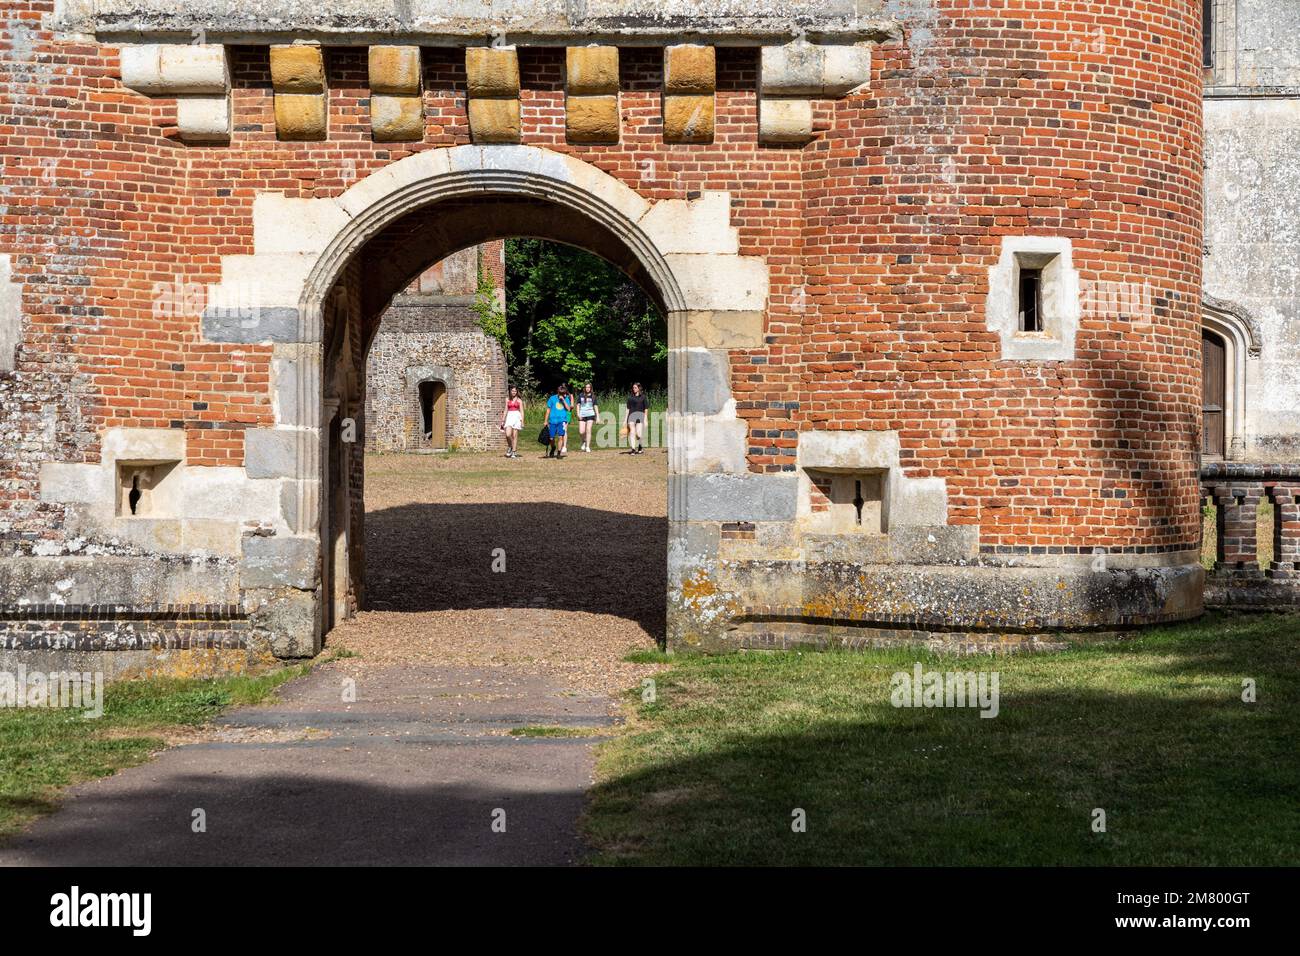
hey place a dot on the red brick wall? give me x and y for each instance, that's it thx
(879, 236)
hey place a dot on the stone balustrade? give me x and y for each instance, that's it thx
(1236, 489)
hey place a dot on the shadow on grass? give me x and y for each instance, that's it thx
(434, 557)
(1155, 733)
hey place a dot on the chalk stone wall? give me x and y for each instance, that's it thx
(431, 333)
(1252, 207)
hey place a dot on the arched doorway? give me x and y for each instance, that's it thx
(358, 278)
(333, 265)
(433, 413)
(1213, 394)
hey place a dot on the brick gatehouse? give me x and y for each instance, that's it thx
(932, 272)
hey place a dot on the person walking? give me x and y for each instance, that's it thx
(558, 407)
(588, 412)
(512, 421)
(634, 418)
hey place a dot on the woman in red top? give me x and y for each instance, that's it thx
(512, 420)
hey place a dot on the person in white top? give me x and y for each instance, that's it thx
(512, 420)
(588, 412)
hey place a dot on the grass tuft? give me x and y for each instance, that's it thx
(43, 751)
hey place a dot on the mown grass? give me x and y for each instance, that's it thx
(609, 404)
(1151, 730)
(45, 750)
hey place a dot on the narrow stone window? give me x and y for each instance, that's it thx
(1207, 34)
(138, 488)
(1034, 301)
(1030, 306)
(846, 502)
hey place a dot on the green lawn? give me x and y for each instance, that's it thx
(611, 403)
(1153, 730)
(43, 750)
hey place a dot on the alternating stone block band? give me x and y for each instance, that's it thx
(690, 84)
(396, 101)
(197, 75)
(492, 78)
(591, 94)
(790, 76)
(298, 80)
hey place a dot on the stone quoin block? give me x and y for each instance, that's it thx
(395, 70)
(591, 70)
(785, 121)
(690, 69)
(492, 78)
(298, 79)
(689, 119)
(591, 119)
(396, 118)
(204, 119)
(808, 69)
(175, 69)
(301, 116)
(297, 69)
(494, 121)
(492, 72)
(11, 315)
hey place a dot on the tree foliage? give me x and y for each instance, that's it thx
(572, 317)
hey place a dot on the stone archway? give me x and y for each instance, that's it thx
(685, 253)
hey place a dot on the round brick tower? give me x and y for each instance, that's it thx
(1002, 255)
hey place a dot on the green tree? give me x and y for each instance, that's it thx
(576, 318)
(491, 317)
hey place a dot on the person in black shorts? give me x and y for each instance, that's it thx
(634, 419)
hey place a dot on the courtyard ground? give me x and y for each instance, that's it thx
(462, 692)
(583, 541)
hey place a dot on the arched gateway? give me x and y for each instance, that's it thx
(896, 411)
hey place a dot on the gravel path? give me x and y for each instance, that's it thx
(584, 580)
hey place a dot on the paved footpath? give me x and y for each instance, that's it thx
(411, 773)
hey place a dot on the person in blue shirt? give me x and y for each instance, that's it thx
(557, 421)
